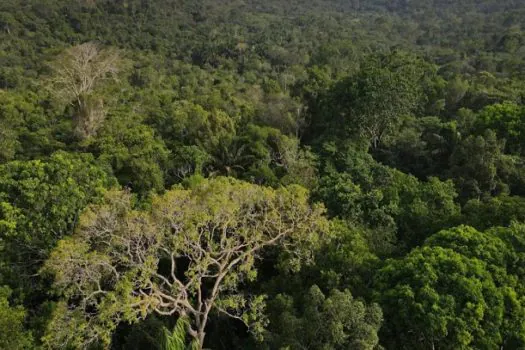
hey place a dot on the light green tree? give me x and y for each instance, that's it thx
(186, 257)
(436, 298)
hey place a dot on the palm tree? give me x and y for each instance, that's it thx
(176, 339)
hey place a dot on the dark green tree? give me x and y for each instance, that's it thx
(319, 321)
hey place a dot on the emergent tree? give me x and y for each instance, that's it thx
(76, 75)
(189, 256)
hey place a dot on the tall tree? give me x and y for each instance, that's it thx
(189, 256)
(77, 73)
(371, 103)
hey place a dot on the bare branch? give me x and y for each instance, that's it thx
(77, 74)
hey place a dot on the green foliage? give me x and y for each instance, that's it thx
(176, 339)
(12, 333)
(496, 211)
(368, 193)
(134, 153)
(422, 147)
(371, 103)
(436, 297)
(508, 121)
(29, 128)
(40, 202)
(474, 164)
(500, 249)
(460, 290)
(334, 321)
(404, 118)
(124, 264)
(347, 259)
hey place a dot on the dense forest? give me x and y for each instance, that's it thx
(244, 174)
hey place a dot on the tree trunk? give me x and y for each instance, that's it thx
(202, 335)
(89, 116)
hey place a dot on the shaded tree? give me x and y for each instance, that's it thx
(333, 321)
(371, 103)
(12, 332)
